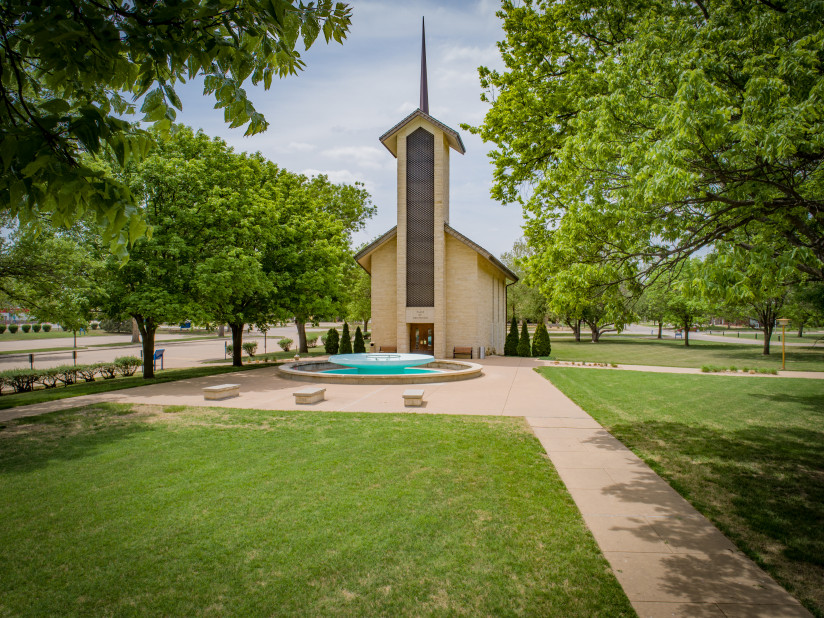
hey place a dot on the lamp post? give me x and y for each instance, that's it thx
(783, 322)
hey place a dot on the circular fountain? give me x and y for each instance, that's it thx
(380, 368)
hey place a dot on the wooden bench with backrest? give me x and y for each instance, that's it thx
(465, 351)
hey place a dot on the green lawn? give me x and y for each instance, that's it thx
(747, 452)
(223, 512)
(52, 334)
(103, 386)
(635, 351)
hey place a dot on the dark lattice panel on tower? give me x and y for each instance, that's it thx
(420, 219)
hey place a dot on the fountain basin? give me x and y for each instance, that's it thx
(381, 363)
(318, 371)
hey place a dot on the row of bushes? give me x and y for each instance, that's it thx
(25, 328)
(519, 346)
(335, 343)
(25, 380)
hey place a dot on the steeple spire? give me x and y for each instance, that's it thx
(424, 105)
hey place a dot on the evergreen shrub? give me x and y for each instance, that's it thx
(511, 343)
(332, 341)
(2, 328)
(541, 345)
(359, 346)
(345, 346)
(46, 328)
(35, 327)
(523, 344)
(26, 327)
(12, 328)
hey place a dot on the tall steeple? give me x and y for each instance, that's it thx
(424, 105)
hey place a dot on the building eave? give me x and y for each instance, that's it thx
(390, 141)
(373, 246)
(480, 250)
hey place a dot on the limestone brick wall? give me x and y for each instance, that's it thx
(461, 291)
(384, 295)
(489, 302)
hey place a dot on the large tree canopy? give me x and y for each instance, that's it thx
(73, 71)
(660, 127)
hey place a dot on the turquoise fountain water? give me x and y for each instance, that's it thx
(381, 364)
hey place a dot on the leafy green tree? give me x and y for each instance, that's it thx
(345, 340)
(73, 70)
(511, 342)
(524, 349)
(753, 279)
(359, 305)
(805, 305)
(359, 347)
(658, 129)
(523, 299)
(652, 305)
(686, 305)
(332, 342)
(541, 345)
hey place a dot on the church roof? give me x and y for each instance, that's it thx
(479, 249)
(390, 138)
(378, 242)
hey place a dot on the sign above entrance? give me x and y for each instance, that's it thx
(420, 315)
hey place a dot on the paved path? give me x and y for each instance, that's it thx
(670, 560)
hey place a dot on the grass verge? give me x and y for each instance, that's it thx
(188, 511)
(119, 383)
(749, 454)
(634, 351)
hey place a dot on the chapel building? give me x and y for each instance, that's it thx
(433, 289)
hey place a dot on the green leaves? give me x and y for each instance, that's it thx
(659, 129)
(73, 69)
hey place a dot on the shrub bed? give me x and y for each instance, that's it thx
(24, 380)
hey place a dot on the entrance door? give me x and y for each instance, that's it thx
(420, 338)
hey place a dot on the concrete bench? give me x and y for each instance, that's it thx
(310, 394)
(463, 351)
(388, 348)
(413, 397)
(221, 391)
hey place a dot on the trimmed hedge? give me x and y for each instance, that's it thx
(25, 380)
(26, 328)
(36, 327)
(12, 328)
(46, 328)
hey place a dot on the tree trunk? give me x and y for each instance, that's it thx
(800, 329)
(687, 325)
(595, 332)
(237, 344)
(300, 322)
(147, 330)
(366, 326)
(767, 329)
(660, 328)
(135, 332)
(221, 331)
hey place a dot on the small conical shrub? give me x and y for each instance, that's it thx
(523, 344)
(331, 343)
(540, 342)
(345, 340)
(359, 347)
(511, 343)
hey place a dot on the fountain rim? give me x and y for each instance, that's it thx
(455, 371)
(381, 359)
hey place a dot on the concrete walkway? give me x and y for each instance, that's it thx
(670, 560)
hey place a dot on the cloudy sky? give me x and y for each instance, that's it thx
(328, 118)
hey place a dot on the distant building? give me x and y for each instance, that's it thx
(433, 289)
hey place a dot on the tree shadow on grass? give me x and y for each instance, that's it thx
(763, 484)
(35, 442)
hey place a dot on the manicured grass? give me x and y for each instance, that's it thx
(186, 512)
(635, 351)
(747, 452)
(103, 386)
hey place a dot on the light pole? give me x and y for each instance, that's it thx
(783, 322)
